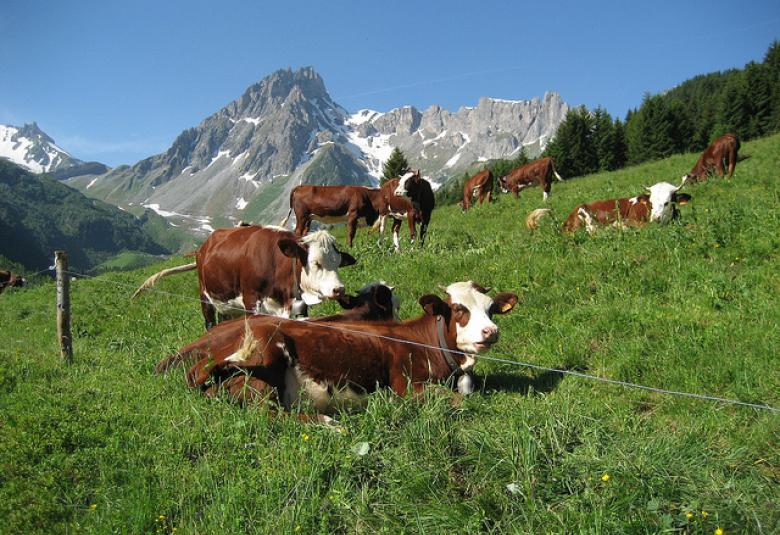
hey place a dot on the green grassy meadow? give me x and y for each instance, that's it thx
(102, 445)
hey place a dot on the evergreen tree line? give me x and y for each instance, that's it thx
(687, 118)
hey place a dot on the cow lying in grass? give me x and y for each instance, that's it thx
(659, 205)
(338, 364)
(10, 280)
(374, 302)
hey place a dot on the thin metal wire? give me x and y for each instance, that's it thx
(514, 362)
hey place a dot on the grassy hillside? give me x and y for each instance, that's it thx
(103, 445)
(39, 215)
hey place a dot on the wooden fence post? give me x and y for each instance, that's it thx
(63, 305)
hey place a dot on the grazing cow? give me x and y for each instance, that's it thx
(334, 204)
(719, 155)
(419, 192)
(263, 270)
(660, 205)
(539, 171)
(479, 186)
(342, 363)
(373, 302)
(9, 280)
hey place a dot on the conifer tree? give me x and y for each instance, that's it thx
(396, 165)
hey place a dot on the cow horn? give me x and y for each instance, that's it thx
(646, 187)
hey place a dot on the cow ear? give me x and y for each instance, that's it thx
(383, 297)
(433, 305)
(503, 303)
(293, 249)
(347, 260)
(682, 198)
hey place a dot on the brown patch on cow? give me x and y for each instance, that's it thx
(539, 172)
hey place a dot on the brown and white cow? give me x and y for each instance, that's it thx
(338, 364)
(334, 204)
(479, 186)
(539, 171)
(398, 208)
(10, 280)
(720, 155)
(268, 270)
(659, 205)
(373, 302)
(420, 193)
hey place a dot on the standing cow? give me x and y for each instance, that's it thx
(720, 155)
(479, 186)
(334, 204)
(266, 270)
(539, 171)
(419, 192)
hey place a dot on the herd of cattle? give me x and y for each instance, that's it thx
(269, 274)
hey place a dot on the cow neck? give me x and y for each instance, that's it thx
(445, 351)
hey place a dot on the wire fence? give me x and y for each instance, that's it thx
(502, 359)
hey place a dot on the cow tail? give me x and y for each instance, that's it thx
(148, 283)
(559, 177)
(286, 218)
(292, 195)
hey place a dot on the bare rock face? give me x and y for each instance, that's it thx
(242, 161)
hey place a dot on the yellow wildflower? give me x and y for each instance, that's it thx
(718, 531)
(689, 515)
(93, 506)
(704, 514)
(305, 437)
(605, 477)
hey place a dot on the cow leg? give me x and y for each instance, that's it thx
(423, 232)
(209, 311)
(547, 188)
(351, 228)
(410, 216)
(396, 239)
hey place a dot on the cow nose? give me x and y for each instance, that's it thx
(490, 333)
(338, 292)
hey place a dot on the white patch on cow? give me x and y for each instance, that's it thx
(585, 217)
(465, 384)
(545, 195)
(319, 277)
(396, 241)
(325, 397)
(248, 346)
(633, 200)
(231, 307)
(661, 201)
(472, 338)
(271, 307)
(401, 189)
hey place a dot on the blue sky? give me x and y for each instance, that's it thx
(117, 81)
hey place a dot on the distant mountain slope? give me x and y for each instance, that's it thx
(287, 129)
(39, 214)
(30, 147)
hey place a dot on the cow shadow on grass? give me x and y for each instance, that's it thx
(544, 382)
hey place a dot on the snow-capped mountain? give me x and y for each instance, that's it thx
(242, 161)
(30, 147)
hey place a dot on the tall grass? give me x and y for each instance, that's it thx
(103, 445)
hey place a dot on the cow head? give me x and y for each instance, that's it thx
(663, 198)
(404, 183)
(471, 310)
(503, 183)
(320, 260)
(9, 280)
(378, 297)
